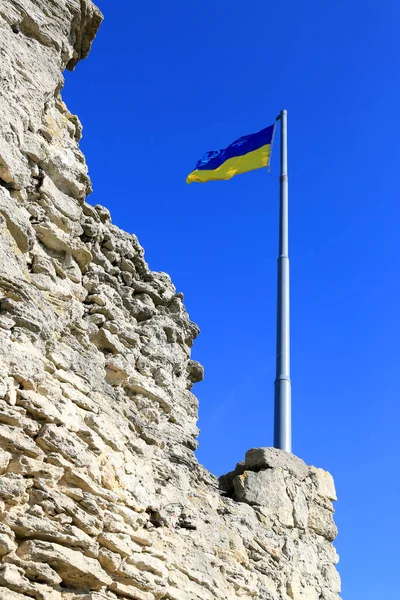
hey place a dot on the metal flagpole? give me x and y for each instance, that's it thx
(283, 385)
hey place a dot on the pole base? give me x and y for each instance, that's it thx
(283, 414)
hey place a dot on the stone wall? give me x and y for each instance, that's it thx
(101, 496)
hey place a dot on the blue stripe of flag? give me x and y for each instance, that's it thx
(248, 143)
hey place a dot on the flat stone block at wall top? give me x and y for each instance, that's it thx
(272, 458)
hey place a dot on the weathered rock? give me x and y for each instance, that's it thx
(16, 441)
(7, 544)
(8, 594)
(12, 577)
(34, 571)
(44, 529)
(118, 542)
(321, 521)
(300, 510)
(146, 562)
(5, 458)
(324, 482)
(39, 406)
(24, 465)
(271, 458)
(52, 438)
(267, 489)
(75, 570)
(17, 221)
(13, 488)
(128, 591)
(110, 561)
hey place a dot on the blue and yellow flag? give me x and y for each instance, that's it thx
(245, 154)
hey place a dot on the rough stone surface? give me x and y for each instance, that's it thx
(271, 458)
(101, 495)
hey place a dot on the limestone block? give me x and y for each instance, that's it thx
(24, 465)
(21, 303)
(173, 593)
(11, 394)
(267, 489)
(106, 341)
(128, 591)
(17, 220)
(16, 441)
(324, 483)
(13, 488)
(69, 377)
(331, 578)
(120, 543)
(131, 576)
(144, 385)
(5, 458)
(13, 577)
(75, 570)
(3, 381)
(107, 430)
(80, 399)
(60, 503)
(110, 561)
(12, 415)
(297, 591)
(146, 562)
(131, 517)
(307, 558)
(87, 484)
(142, 537)
(39, 406)
(195, 371)
(321, 521)
(115, 523)
(7, 544)
(272, 458)
(300, 510)
(34, 571)
(58, 439)
(8, 594)
(30, 526)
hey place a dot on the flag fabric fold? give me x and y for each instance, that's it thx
(245, 154)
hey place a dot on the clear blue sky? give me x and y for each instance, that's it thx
(166, 82)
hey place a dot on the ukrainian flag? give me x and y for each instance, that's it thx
(245, 154)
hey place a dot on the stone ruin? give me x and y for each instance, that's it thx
(101, 495)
